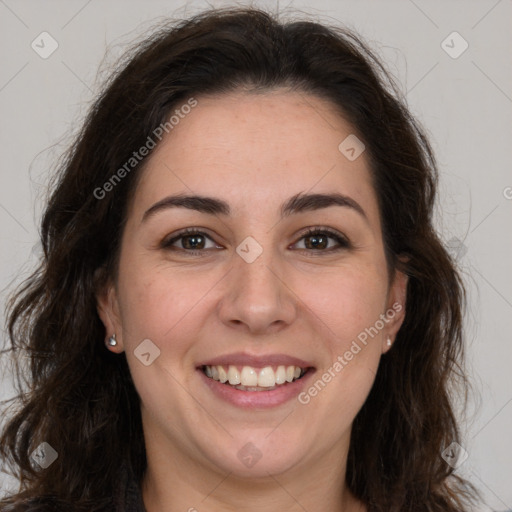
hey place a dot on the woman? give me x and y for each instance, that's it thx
(243, 302)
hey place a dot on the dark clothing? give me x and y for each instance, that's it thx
(128, 496)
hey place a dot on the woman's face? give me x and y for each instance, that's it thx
(250, 289)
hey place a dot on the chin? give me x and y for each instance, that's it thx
(259, 455)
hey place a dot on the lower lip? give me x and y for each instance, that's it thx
(257, 399)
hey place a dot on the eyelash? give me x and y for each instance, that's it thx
(341, 240)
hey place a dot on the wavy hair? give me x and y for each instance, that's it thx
(80, 398)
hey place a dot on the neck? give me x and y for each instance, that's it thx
(173, 482)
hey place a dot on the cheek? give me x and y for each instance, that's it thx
(162, 306)
(169, 306)
(344, 302)
(157, 303)
(345, 309)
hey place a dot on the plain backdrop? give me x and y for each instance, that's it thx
(462, 96)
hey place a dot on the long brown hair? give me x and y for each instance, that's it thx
(80, 398)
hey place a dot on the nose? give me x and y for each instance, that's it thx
(258, 299)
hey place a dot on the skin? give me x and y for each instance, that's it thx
(253, 151)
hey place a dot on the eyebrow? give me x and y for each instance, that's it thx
(296, 204)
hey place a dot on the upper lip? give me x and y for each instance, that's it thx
(256, 361)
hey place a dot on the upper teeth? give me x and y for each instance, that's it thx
(252, 377)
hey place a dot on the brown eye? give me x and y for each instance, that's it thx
(318, 239)
(189, 240)
(193, 241)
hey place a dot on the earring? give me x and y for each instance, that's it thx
(112, 342)
(389, 342)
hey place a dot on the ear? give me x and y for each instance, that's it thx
(108, 309)
(395, 310)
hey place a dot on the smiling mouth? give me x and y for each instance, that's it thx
(248, 378)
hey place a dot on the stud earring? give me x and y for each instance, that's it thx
(389, 342)
(112, 342)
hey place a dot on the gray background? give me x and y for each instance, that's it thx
(464, 103)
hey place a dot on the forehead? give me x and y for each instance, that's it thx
(254, 149)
